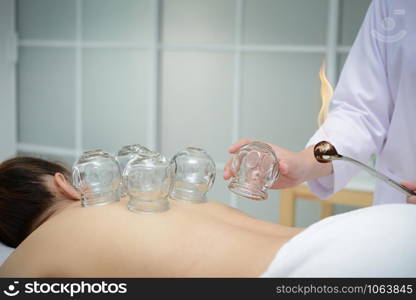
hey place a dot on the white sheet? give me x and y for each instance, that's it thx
(378, 241)
(4, 252)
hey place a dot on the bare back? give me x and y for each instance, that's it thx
(201, 240)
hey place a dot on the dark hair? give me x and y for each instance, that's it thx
(24, 196)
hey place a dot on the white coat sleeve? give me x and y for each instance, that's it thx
(361, 106)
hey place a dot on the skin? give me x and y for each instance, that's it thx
(188, 240)
(297, 167)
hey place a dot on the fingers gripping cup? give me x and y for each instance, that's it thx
(255, 168)
(96, 175)
(194, 174)
(147, 181)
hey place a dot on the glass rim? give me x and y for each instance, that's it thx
(89, 155)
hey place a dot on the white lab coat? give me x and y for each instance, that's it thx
(374, 103)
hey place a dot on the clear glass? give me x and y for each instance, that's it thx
(255, 168)
(97, 177)
(129, 152)
(147, 181)
(194, 174)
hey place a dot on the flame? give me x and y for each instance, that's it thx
(326, 95)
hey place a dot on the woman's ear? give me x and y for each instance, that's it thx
(65, 187)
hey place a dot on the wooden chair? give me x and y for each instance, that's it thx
(288, 199)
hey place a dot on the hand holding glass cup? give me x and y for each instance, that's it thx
(255, 168)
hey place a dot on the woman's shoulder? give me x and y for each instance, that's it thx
(67, 243)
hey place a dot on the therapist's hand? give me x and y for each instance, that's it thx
(291, 165)
(411, 186)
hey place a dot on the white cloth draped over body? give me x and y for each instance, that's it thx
(376, 241)
(373, 110)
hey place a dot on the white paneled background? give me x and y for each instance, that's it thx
(169, 74)
(8, 56)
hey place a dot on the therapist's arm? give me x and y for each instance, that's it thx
(359, 118)
(294, 167)
(362, 104)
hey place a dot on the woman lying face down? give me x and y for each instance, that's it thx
(41, 215)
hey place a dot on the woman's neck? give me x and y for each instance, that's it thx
(59, 206)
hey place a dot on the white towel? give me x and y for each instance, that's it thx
(4, 253)
(378, 241)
